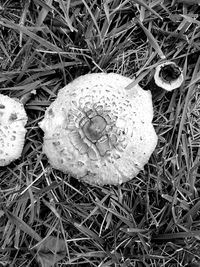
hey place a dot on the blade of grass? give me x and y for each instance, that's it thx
(94, 210)
(187, 99)
(152, 40)
(88, 232)
(94, 20)
(120, 216)
(23, 19)
(43, 4)
(107, 11)
(191, 20)
(43, 13)
(19, 223)
(5, 51)
(137, 80)
(44, 43)
(193, 213)
(172, 236)
(25, 87)
(65, 9)
(139, 2)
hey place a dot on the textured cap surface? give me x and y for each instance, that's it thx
(99, 132)
(12, 131)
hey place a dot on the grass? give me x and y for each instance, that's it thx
(152, 220)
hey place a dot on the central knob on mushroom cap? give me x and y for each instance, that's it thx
(94, 128)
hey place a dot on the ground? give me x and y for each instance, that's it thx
(152, 220)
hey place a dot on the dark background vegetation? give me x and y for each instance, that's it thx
(152, 220)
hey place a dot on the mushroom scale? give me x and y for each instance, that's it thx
(12, 129)
(98, 131)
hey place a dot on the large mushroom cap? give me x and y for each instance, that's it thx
(12, 131)
(98, 131)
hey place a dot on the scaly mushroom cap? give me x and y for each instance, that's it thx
(98, 131)
(168, 76)
(12, 131)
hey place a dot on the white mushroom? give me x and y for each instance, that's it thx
(168, 76)
(12, 131)
(98, 131)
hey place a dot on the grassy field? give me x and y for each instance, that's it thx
(152, 220)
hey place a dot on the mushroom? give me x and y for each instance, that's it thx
(12, 129)
(98, 131)
(168, 76)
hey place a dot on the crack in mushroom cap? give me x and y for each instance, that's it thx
(12, 131)
(98, 131)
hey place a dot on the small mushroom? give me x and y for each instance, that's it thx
(12, 129)
(98, 131)
(168, 76)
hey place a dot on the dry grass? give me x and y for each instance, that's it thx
(153, 220)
